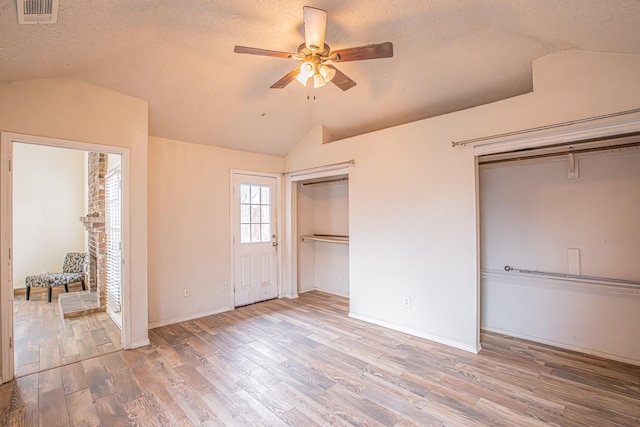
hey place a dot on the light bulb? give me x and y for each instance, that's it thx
(307, 69)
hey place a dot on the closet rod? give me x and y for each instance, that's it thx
(347, 163)
(572, 276)
(464, 142)
(302, 184)
(328, 238)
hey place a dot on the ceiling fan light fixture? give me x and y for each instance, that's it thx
(302, 79)
(327, 73)
(314, 52)
(318, 81)
(307, 70)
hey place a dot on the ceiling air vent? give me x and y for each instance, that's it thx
(37, 11)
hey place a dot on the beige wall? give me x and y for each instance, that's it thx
(189, 226)
(412, 197)
(48, 189)
(66, 109)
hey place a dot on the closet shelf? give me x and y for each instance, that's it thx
(328, 238)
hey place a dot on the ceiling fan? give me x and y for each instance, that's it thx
(315, 55)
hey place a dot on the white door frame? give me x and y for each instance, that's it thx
(6, 240)
(277, 222)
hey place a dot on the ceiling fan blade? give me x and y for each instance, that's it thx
(340, 79)
(315, 26)
(262, 52)
(288, 78)
(370, 51)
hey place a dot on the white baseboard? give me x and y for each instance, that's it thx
(338, 294)
(325, 291)
(140, 343)
(579, 349)
(174, 320)
(419, 334)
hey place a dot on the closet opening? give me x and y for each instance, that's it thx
(559, 240)
(322, 236)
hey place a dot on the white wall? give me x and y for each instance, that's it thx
(47, 204)
(67, 109)
(306, 253)
(412, 196)
(323, 209)
(531, 214)
(189, 226)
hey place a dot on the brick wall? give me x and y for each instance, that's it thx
(97, 169)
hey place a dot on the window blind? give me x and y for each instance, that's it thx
(113, 221)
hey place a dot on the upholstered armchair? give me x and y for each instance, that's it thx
(73, 270)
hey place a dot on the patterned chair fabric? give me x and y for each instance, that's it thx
(74, 262)
(73, 268)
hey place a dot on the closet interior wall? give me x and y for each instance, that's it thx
(323, 208)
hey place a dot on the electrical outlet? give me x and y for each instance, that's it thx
(186, 293)
(223, 286)
(406, 301)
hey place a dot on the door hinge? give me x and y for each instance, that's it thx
(10, 253)
(11, 341)
(10, 165)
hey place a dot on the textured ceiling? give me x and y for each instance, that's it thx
(178, 55)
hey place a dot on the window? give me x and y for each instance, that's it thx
(255, 213)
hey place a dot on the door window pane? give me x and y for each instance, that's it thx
(266, 232)
(244, 214)
(265, 213)
(255, 213)
(244, 194)
(255, 232)
(245, 233)
(255, 194)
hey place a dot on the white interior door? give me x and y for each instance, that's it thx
(254, 239)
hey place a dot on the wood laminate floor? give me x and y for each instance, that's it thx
(44, 340)
(304, 363)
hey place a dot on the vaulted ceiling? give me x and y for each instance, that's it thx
(178, 55)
